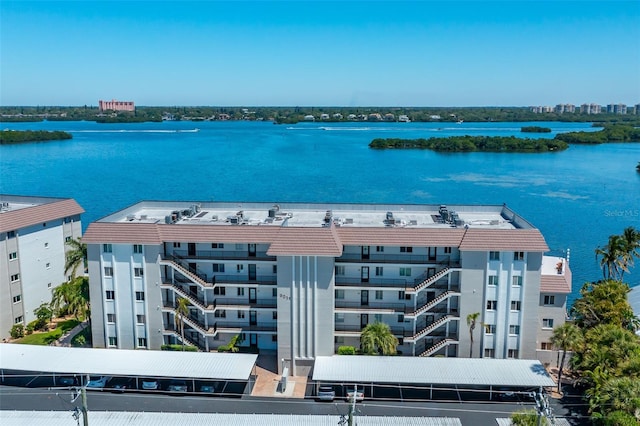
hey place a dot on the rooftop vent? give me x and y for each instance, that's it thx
(131, 217)
(390, 220)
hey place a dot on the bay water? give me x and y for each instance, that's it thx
(577, 197)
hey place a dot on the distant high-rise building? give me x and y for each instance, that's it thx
(590, 109)
(616, 109)
(114, 105)
(562, 108)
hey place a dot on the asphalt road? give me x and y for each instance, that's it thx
(470, 413)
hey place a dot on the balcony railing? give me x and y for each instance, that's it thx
(372, 282)
(396, 307)
(244, 279)
(397, 331)
(397, 258)
(223, 255)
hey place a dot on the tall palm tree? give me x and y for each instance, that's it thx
(631, 238)
(182, 310)
(614, 258)
(471, 322)
(377, 338)
(75, 257)
(72, 298)
(566, 337)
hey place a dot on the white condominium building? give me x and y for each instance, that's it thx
(33, 233)
(303, 279)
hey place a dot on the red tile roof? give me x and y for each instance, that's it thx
(222, 233)
(122, 233)
(556, 283)
(28, 216)
(292, 241)
(503, 239)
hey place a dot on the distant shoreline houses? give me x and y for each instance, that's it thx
(592, 108)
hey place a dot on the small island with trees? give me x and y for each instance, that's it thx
(608, 134)
(21, 136)
(535, 129)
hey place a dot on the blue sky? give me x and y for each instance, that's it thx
(323, 53)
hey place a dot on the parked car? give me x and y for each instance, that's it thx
(359, 395)
(207, 389)
(97, 382)
(177, 386)
(121, 384)
(326, 393)
(66, 381)
(149, 384)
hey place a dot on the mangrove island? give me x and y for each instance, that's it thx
(21, 136)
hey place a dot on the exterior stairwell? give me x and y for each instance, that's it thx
(432, 303)
(421, 285)
(186, 272)
(194, 301)
(431, 327)
(435, 348)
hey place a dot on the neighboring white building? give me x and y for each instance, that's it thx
(303, 279)
(33, 232)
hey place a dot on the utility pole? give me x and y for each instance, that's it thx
(85, 411)
(352, 409)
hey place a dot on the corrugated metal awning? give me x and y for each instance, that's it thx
(428, 371)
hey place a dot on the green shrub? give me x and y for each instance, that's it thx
(224, 348)
(346, 350)
(187, 348)
(17, 331)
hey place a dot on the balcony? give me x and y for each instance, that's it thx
(401, 284)
(398, 258)
(242, 278)
(342, 306)
(342, 329)
(223, 255)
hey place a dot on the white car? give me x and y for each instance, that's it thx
(97, 382)
(359, 395)
(326, 393)
(149, 384)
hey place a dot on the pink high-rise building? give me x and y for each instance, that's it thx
(116, 105)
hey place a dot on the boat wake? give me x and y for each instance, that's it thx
(134, 131)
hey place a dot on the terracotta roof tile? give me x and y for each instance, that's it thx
(122, 233)
(222, 233)
(28, 216)
(503, 239)
(293, 241)
(556, 283)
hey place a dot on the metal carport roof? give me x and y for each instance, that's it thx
(431, 371)
(103, 418)
(124, 362)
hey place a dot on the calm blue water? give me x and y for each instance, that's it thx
(577, 198)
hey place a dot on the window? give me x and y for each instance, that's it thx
(218, 267)
(17, 320)
(492, 305)
(46, 245)
(489, 353)
(274, 337)
(111, 317)
(494, 255)
(517, 281)
(379, 271)
(274, 269)
(113, 341)
(339, 294)
(240, 314)
(514, 329)
(140, 319)
(339, 317)
(406, 249)
(17, 298)
(274, 315)
(547, 322)
(240, 291)
(340, 270)
(493, 280)
(220, 314)
(490, 329)
(15, 277)
(401, 295)
(379, 249)
(377, 318)
(48, 265)
(239, 268)
(11, 234)
(274, 292)
(512, 353)
(378, 294)
(137, 248)
(546, 346)
(405, 272)
(142, 342)
(401, 318)
(240, 247)
(518, 255)
(107, 248)
(176, 245)
(447, 250)
(219, 291)
(138, 272)
(13, 255)
(44, 224)
(549, 300)
(67, 239)
(108, 271)
(217, 245)
(49, 284)
(516, 305)
(140, 295)
(110, 295)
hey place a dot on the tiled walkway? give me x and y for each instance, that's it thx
(268, 381)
